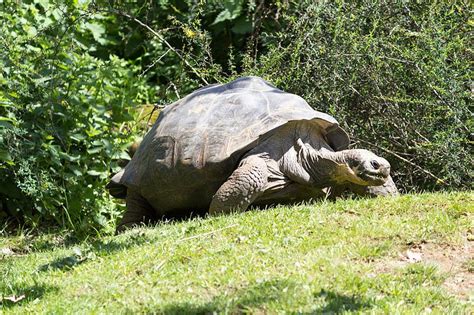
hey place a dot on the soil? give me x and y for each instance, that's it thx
(456, 262)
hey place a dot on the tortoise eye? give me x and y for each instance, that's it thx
(375, 164)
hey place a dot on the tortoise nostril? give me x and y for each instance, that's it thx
(375, 164)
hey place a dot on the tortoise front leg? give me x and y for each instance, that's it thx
(245, 184)
(138, 212)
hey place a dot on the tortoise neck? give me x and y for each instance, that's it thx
(321, 165)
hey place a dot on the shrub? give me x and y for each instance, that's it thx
(395, 74)
(64, 116)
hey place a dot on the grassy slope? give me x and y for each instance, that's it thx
(323, 257)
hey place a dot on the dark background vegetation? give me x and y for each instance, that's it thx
(75, 79)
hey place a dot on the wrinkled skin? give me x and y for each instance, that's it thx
(287, 169)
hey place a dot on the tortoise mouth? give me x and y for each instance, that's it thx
(374, 178)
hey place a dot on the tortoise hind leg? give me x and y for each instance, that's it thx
(139, 211)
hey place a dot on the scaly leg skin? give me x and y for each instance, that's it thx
(138, 212)
(245, 184)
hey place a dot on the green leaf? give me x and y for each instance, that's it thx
(94, 150)
(96, 173)
(5, 102)
(232, 9)
(242, 26)
(5, 156)
(5, 124)
(77, 137)
(13, 94)
(121, 156)
(97, 31)
(68, 157)
(42, 80)
(76, 171)
(91, 132)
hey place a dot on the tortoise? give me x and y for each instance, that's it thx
(225, 147)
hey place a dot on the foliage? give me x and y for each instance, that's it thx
(74, 77)
(341, 257)
(64, 115)
(397, 75)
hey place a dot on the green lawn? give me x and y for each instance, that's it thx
(411, 254)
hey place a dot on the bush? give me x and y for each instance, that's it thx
(64, 116)
(396, 75)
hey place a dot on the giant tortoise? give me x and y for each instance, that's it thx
(225, 147)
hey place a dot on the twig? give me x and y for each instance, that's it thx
(175, 89)
(154, 63)
(207, 233)
(404, 160)
(160, 265)
(162, 39)
(155, 107)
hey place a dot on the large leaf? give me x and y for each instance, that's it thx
(232, 10)
(5, 156)
(97, 31)
(242, 25)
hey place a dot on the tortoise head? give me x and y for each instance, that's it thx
(358, 166)
(365, 167)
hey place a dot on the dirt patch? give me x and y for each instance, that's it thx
(455, 261)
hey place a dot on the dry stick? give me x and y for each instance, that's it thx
(160, 265)
(163, 262)
(161, 38)
(208, 233)
(155, 107)
(154, 63)
(405, 160)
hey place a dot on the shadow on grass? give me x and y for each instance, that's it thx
(104, 247)
(96, 248)
(236, 302)
(40, 241)
(21, 295)
(63, 263)
(257, 297)
(336, 303)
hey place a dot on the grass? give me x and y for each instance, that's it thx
(327, 257)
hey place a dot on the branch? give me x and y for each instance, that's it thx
(162, 39)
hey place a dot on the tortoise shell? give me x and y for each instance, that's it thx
(198, 141)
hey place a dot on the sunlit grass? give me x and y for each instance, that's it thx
(322, 257)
